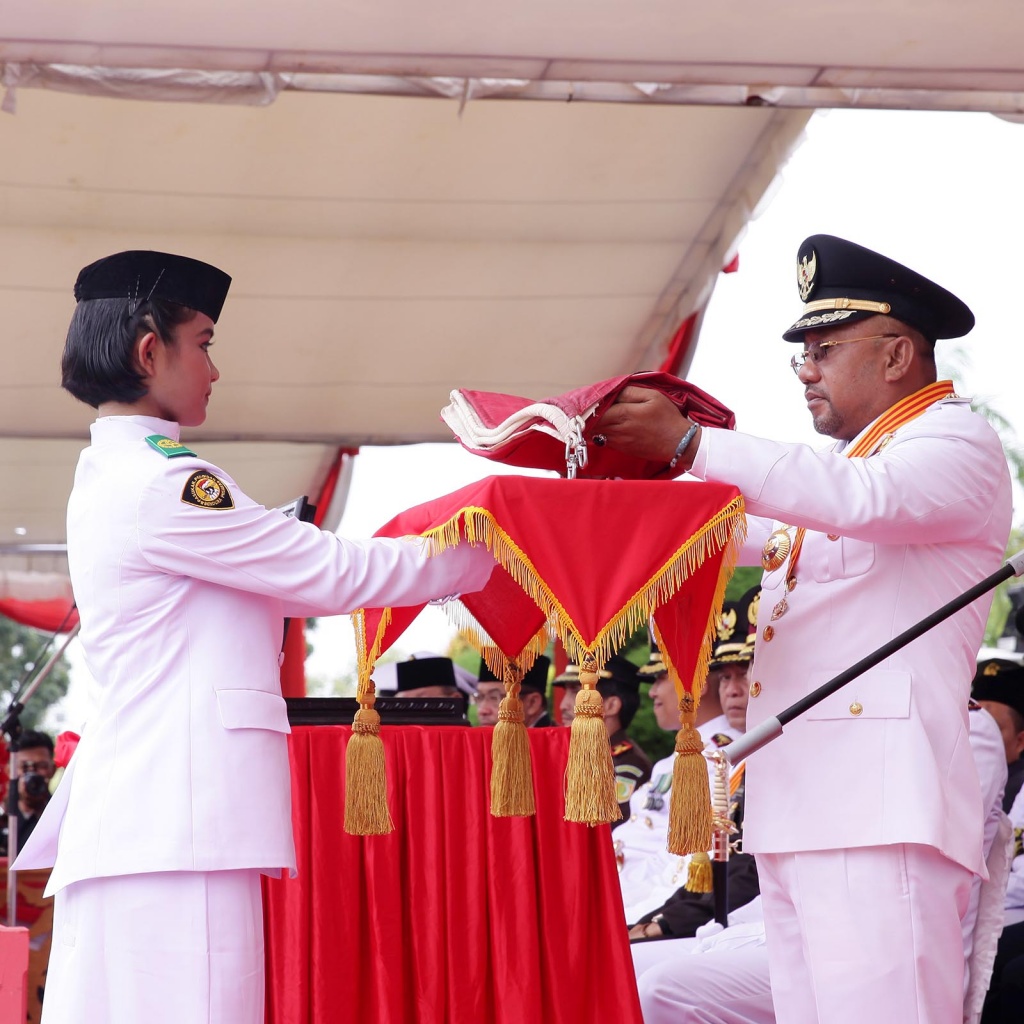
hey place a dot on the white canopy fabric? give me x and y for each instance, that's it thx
(392, 237)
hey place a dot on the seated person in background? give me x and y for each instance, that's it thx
(34, 765)
(999, 688)
(428, 677)
(728, 981)
(618, 683)
(532, 693)
(684, 912)
(648, 873)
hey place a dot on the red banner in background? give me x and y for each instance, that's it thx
(49, 616)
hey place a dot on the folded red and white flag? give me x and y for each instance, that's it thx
(550, 434)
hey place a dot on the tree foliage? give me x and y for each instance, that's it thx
(22, 652)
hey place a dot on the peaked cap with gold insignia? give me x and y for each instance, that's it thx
(1000, 680)
(737, 628)
(841, 282)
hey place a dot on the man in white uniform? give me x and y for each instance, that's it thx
(178, 796)
(723, 978)
(648, 873)
(866, 816)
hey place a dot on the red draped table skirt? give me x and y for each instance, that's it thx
(456, 916)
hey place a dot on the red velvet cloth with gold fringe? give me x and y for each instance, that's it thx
(590, 561)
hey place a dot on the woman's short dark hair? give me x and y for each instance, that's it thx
(98, 364)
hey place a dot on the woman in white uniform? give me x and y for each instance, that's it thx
(178, 796)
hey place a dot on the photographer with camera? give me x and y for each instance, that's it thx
(34, 761)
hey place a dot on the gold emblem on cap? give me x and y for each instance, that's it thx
(805, 270)
(727, 624)
(776, 550)
(992, 669)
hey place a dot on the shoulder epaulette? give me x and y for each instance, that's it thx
(167, 446)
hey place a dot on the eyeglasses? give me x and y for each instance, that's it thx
(487, 698)
(817, 354)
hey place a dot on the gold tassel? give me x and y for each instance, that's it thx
(366, 786)
(590, 773)
(698, 874)
(689, 820)
(512, 766)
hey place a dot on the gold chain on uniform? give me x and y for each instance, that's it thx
(778, 546)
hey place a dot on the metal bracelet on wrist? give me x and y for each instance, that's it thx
(683, 445)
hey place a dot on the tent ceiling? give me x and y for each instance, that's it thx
(920, 53)
(383, 249)
(386, 249)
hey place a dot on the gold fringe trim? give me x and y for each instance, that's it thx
(699, 877)
(479, 526)
(590, 773)
(689, 819)
(727, 568)
(512, 767)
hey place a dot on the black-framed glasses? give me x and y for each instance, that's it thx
(818, 353)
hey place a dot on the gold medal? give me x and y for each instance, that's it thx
(776, 550)
(779, 610)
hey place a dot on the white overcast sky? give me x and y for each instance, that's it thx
(939, 192)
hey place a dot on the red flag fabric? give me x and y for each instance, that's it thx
(64, 747)
(49, 616)
(588, 560)
(541, 434)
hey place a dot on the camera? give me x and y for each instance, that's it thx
(35, 786)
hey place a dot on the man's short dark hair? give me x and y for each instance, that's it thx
(629, 696)
(30, 739)
(98, 364)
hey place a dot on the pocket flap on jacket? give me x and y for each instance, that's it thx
(879, 693)
(253, 709)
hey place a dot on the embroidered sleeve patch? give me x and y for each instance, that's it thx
(167, 446)
(204, 490)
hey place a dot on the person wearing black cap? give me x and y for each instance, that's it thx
(999, 688)
(907, 510)
(178, 796)
(533, 691)
(618, 682)
(648, 872)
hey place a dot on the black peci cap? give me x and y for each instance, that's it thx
(617, 671)
(535, 679)
(841, 282)
(139, 275)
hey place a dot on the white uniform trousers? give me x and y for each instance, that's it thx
(722, 986)
(869, 934)
(165, 948)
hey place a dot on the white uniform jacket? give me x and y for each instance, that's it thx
(648, 873)
(183, 765)
(890, 539)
